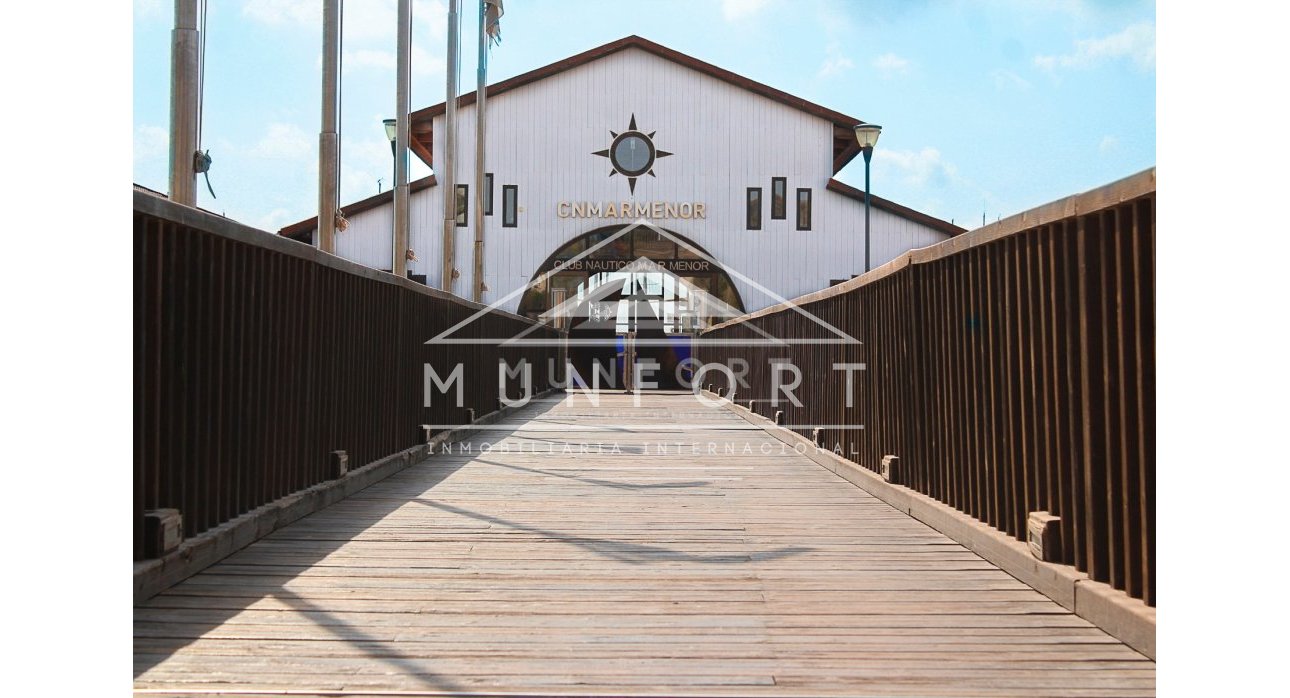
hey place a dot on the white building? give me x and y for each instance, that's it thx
(581, 147)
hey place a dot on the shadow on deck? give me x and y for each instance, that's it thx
(575, 554)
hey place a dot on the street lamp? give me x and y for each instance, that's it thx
(867, 137)
(392, 132)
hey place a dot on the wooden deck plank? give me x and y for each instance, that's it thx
(665, 548)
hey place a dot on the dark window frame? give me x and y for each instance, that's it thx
(511, 213)
(462, 214)
(779, 209)
(488, 193)
(750, 210)
(798, 201)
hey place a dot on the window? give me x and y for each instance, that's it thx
(488, 193)
(778, 198)
(510, 204)
(754, 208)
(558, 296)
(803, 209)
(463, 204)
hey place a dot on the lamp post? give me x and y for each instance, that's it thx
(392, 132)
(867, 137)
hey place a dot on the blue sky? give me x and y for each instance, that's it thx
(988, 107)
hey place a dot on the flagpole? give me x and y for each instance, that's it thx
(448, 172)
(328, 140)
(185, 102)
(403, 72)
(481, 97)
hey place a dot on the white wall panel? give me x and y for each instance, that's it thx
(723, 139)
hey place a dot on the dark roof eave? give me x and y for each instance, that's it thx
(892, 207)
(298, 230)
(423, 117)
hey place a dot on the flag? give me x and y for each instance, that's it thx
(493, 20)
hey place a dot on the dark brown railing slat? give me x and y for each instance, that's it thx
(255, 357)
(1011, 369)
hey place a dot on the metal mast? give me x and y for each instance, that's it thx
(448, 173)
(328, 141)
(184, 103)
(399, 263)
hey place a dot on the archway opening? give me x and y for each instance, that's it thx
(641, 292)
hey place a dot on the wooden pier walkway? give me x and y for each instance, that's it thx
(689, 553)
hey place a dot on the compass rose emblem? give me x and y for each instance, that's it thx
(632, 154)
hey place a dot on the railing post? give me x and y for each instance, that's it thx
(1012, 371)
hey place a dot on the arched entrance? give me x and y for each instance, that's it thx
(611, 283)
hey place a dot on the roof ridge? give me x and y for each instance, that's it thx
(422, 131)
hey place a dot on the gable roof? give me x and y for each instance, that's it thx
(845, 147)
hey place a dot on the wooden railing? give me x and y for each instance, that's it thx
(1011, 369)
(256, 357)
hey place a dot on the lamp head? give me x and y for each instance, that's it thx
(391, 129)
(867, 135)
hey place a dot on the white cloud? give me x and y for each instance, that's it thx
(369, 19)
(734, 10)
(370, 58)
(369, 152)
(1005, 79)
(359, 183)
(151, 142)
(1137, 43)
(149, 9)
(433, 15)
(279, 12)
(924, 179)
(365, 157)
(834, 62)
(273, 220)
(284, 142)
(918, 168)
(366, 160)
(426, 63)
(1108, 144)
(890, 65)
(376, 20)
(364, 20)
(423, 62)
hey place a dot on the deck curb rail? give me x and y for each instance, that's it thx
(151, 577)
(1126, 619)
(1010, 371)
